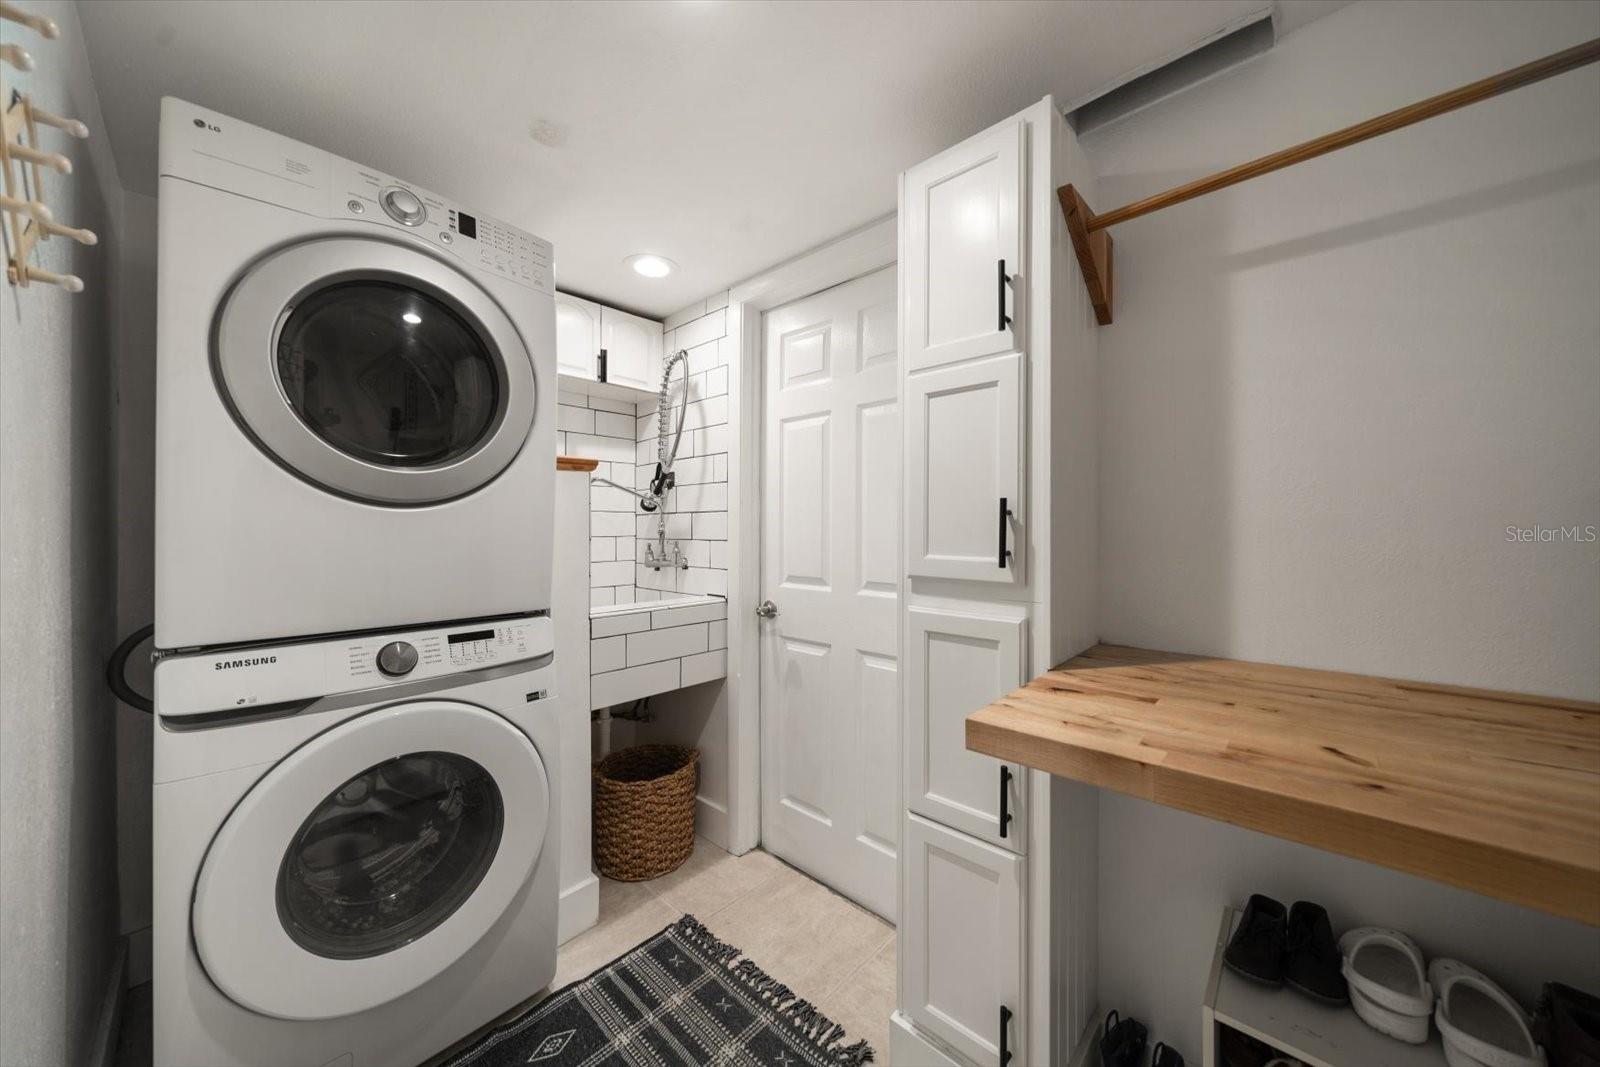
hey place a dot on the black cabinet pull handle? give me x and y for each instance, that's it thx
(1005, 798)
(1005, 320)
(1004, 553)
(602, 364)
(1005, 1025)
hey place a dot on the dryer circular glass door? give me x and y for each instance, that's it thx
(370, 859)
(374, 370)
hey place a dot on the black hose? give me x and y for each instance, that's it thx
(116, 671)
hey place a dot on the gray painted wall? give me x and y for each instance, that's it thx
(58, 879)
(136, 564)
(1326, 394)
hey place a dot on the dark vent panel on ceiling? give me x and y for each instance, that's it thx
(1228, 49)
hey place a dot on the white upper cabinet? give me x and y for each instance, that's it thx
(964, 434)
(957, 662)
(577, 337)
(600, 344)
(963, 231)
(631, 350)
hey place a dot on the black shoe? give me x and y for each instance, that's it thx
(1122, 1045)
(1165, 1057)
(1567, 1024)
(1256, 949)
(1311, 964)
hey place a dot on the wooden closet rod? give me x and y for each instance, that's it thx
(1094, 247)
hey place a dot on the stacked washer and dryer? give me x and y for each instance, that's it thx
(356, 816)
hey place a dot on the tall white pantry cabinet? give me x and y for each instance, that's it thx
(998, 386)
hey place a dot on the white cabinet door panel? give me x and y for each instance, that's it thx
(964, 427)
(632, 347)
(963, 244)
(577, 336)
(955, 664)
(961, 942)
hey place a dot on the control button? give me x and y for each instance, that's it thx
(397, 658)
(403, 206)
(357, 207)
(444, 237)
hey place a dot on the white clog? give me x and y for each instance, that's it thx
(1480, 1023)
(1389, 989)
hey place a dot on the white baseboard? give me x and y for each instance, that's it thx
(1083, 1055)
(578, 909)
(712, 823)
(103, 1050)
(908, 1047)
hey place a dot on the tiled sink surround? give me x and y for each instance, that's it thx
(697, 510)
(637, 650)
(600, 428)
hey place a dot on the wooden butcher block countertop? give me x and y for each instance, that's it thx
(1494, 792)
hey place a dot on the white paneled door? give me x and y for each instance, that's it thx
(830, 746)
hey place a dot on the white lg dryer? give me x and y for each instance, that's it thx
(356, 845)
(356, 389)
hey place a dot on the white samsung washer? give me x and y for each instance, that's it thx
(356, 396)
(356, 844)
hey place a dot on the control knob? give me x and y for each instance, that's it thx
(403, 206)
(397, 658)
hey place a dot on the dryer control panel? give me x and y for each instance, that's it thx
(202, 146)
(482, 242)
(213, 686)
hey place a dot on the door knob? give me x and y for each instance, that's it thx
(767, 609)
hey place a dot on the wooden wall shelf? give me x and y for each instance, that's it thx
(575, 463)
(1494, 792)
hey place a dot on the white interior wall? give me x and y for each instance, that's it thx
(58, 585)
(1326, 394)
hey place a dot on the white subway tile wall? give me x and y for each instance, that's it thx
(604, 430)
(638, 652)
(696, 511)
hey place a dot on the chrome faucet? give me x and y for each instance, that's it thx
(659, 560)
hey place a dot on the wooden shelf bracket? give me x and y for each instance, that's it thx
(1088, 230)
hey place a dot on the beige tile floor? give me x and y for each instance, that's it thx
(826, 949)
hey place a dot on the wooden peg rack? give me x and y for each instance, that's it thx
(29, 220)
(1092, 243)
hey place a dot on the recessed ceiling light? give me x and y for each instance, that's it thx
(650, 266)
(412, 317)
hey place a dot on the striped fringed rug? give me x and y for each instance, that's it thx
(681, 998)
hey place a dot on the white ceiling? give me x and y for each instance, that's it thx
(726, 136)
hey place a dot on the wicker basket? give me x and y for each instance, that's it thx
(644, 811)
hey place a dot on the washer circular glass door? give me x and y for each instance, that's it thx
(374, 370)
(370, 859)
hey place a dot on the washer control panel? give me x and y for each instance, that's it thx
(203, 684)
(446, 651)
